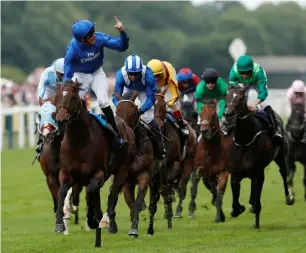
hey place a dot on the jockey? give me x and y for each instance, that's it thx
(211, 87)
(296, 94)
(134, 75)
(246, 72)
(165, 76)
(46, 89)
(187, 81)
(84, 60)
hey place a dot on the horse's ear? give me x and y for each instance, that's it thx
(76, 84)
(134, 96)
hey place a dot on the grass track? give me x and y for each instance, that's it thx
(27, 219)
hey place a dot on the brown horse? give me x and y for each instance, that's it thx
(84, 157)
(211, 160)
(145, 169)
(253, 151)
(179, 160)
(50, 163)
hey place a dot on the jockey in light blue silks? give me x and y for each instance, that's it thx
(45, 91)
(134, 75)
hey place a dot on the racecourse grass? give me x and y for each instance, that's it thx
(28, 220)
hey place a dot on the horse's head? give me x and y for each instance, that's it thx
(127, 109)
(236, 105)
(188, 110)
(209, 121)
(296, 121)
(160, 108)
(67, 102)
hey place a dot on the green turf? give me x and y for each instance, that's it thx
(27, 219)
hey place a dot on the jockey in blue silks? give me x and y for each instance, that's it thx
(84, 60)
(45, 91)
(134, 75)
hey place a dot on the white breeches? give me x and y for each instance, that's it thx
(97, 82)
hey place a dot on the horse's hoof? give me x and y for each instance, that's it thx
(59, 228)
(133, 232)
(251, 209)
(104, 223)
(235, 213)
(256, 226)
(291, 191)
(191, 216)
(220, 218)
(150, 231)
(290, 199)
(170, 226)
(113, 230)
(178, 215)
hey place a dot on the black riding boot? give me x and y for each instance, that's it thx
(39, 147)
(160, 150)
(275, 125)
(117, 141)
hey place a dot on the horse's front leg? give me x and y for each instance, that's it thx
(119, 180)
(195, 179)
(64, 186)
(76, 191)
(129, 197)
(257, 182)
(235, 185)
(154, 198)
(221, 186)
(143, 182)
(187, 169)
(53, 185)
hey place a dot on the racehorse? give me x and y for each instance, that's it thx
(253, 151)
(211, 162)
(145, 170)
(84, 156)
(49, 159)
(297, 150)
(179, 159)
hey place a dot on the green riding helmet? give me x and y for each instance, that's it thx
(245, 63)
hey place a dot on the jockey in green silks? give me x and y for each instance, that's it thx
(211, 87)
(251, 75)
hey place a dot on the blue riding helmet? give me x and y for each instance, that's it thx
(183, 77)
(81, 27)
(133, 64)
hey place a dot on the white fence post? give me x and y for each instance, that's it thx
(31, 128)
(21, 130)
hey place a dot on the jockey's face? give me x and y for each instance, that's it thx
(59, 76)
(134, 76)
(210, 85)
(158, 77)
(246, 74)
(90, 37)
(299, 94)
(185, 84)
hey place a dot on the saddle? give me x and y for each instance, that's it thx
(263, 117)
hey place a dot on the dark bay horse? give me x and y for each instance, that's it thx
(211, 162)
(253, 151)
(84, 157)
(297, 150)
(179, 162)
(50, 164)
(145, 170)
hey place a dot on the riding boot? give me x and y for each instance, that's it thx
(160, 150)
(118, 142)
(275, 125)
(39, 147)
(181, 124)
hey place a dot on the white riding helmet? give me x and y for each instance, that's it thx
(59, 65)
(298, 86)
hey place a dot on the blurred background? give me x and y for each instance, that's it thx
(194, 34)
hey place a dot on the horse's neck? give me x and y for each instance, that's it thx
(212, 146)
(247, 127)
(79, 130)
